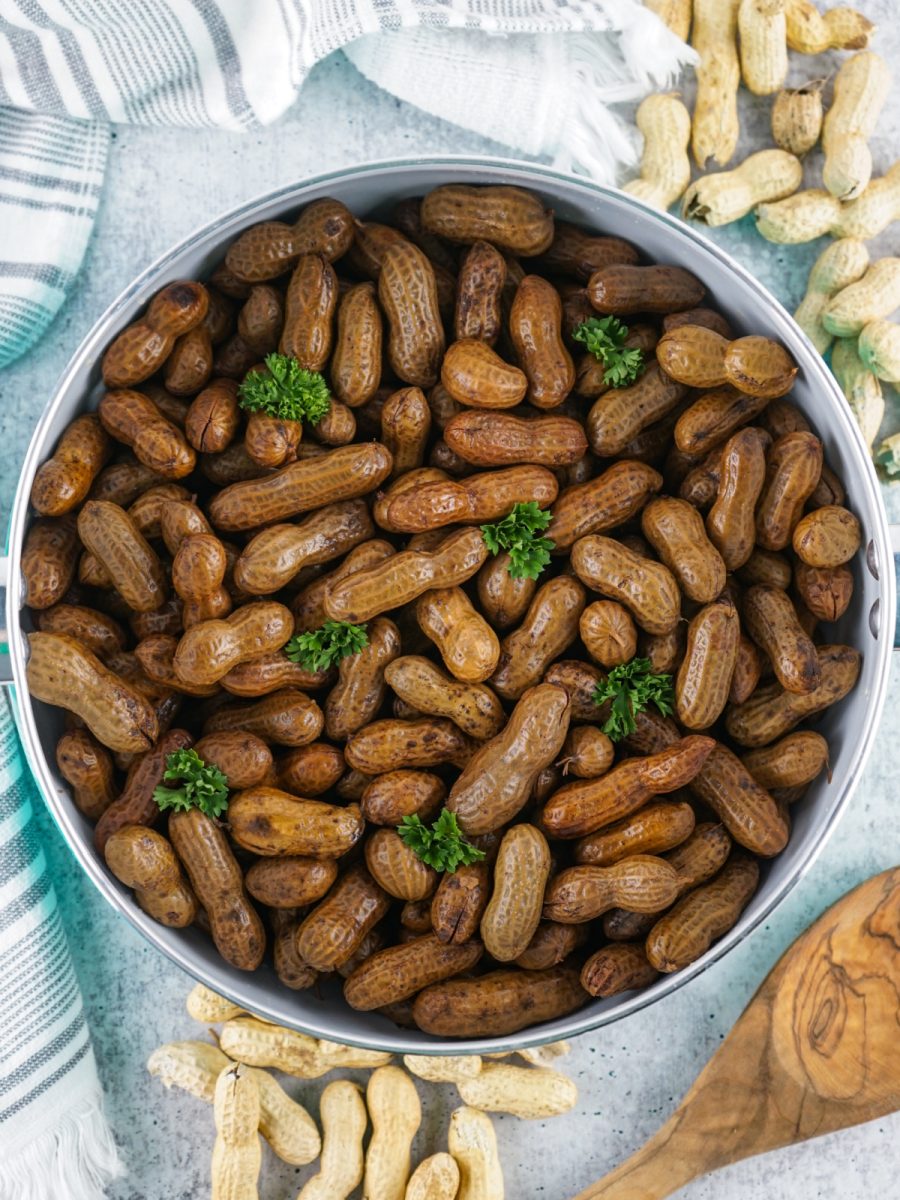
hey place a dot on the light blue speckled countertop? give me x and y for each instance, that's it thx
(161, 185)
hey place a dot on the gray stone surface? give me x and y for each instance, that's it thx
(161, 185)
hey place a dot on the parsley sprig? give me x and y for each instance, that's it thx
(319, 649)
(605, 337)
(632, 687)
(288, 391)
(442, 846)
(203, 786)
(519, 535)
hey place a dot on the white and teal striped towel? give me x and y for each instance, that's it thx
(70, 68)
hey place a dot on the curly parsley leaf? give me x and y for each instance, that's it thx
(519, 535)
(604, 337)
(288, 391)
(319, 649)
(203, 786)
(632, 687)
(441, 846)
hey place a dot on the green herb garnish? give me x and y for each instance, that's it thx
(320, 648)
(442, 846)
(632, 687)
(203, 786)
(518, 534)
(605, 337)
(288, 391)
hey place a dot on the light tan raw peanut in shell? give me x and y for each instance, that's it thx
(309, 306)
(812, 32)
(359, 692)
(397, 868)
(861, 88)
(676, 531)
(651, 830)
(715, 126)
(209, 649)
(549, 628)
(479, 290)
(407, 291)
(98, 632)
(208, 1007)
(748, 812)
(390, 745)
(49, 560)
(261, 1044)
(132, 418)
(601, 504)
(471, 706)
(308, 605)
(810, 214)
(497, 1003)
(535, 330)
(704, 678)
(769, 617)
(271, 248)
(608, 633)
(702, 358)
(620, 414)
(503, 600)
(473, 1145)
(657, 289)
(521, 870)
(731, 522)
(640, 883)
(88, 767)
(793, 761)
(309, 770)
(217, 880)
(508, 217)
(665, 124)
(395, 1113)
(532, 1093)
(63, 672)
(467, 644)
(390, 797)
(491, 439)
(497, 781)
(879, 349)
(703, 915)
(344, 1120)
(144, 860)
(763, 50)
(436, 1177)
(826, 591)
(579, 808)
(648, 589)
(622, 967)
(334, 930)
(290, 882)
(869, 298)
(400, 971)
(405, 426)
(748, 668)
(270, 822)
(473, 373)
(772, 711)
(403, 577)
(727, 196)
(797, 117)
(590, 372)
(587, 752)
(129, 561)
(62, 482)
(861, 387)
(356, 362)
(270, 673)
(236, 1156)
(340, 474)
(143, 347)
(827, 537)
(792, 472)
(841, 263)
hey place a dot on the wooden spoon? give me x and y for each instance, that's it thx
(817, 1049)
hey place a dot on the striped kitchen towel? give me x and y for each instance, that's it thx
(68, 68)
(54, 1141)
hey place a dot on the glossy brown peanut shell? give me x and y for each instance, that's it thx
(498, 1003)
(488, 439)
(397, 972)
(646, 588)
(270, 822)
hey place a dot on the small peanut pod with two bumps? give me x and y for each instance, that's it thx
(704, 678)
(135, 805)
(489, 496)
(715, 126)
(665, 124)
(641, 883)
(602, 503)
(473, 373)
(511, 218)
(521, 871)
(144, 860)
(208, 650)
(286, 717)
(271, 823)
(810, 214)
(143, 347)
(130, 562)
(608, 633)
(766, 176)
(797, 117)
(309, 307)
(646, 588)
(405, 426)
(620, 967)
(861, 87)
(769, 617)
(812, 32)
(651, 830)
(398, 972)
(390, 745)
(579, 808)
(873, 296)
(198, 574)
(702, 358)
(271, 248)
(344, 1120)
(395, 1113)
(293, 881)
(407, 290)
(393, 795)
(494, 439)
(840, 264)
(793, 761)
(62, 482)
(397, 868)
(620, 414)
(535, 330)
(731, 522)
(500, 1002)
(467, 644)
(676, 531)
(503, 600)
(550, 626)
(132, 418)
(359, 692)
(471, 706)
(879, 349)
(88, 767)
(793, 470)
(95, 630)
(49, 560)
(498, 779)
(578, 254)
(861, 386)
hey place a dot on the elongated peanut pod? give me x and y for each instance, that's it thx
(812, 32)
(674, 13)
(860, 89)
(810, 214)
(665, 168)
(764, 61)
(473, 1143)
(396, 1114)
(860, 385)
(715, 124)
(532, 1093)
(873, 296)
(343, 1116)
(727, 196)
(443, 1068)
(236, 1156)
(879, 349)
(840, 264)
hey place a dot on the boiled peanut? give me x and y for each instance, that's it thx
(49, 560)
(521, 870)
(509, 217)
(471, 706)
(285, 718)
(618, 968)
(827, 537)
(397, 972)
(143, 347)
(405, 426)
(826, 591)
(397, 868)
(308, 605)
(746, 810)
(730, 522)
(627, 289)
(389, 745)
(550, 626)
(587, 752)
(702, 358)
(771, 620)
(619, 415)
(535, 328)
(271, 822)
(640, 883)
(651, 830)
(208, 650)
(145, 861)
(390, 797)
(648, 589)
(489, 439)
(88, 767)
(601, 504)
(110, 535)
(793, 470)
(608, 633)
(407, 291)
(335, 928)
(99, 633)
(271, 248)
(482, 274)
(704, 678)
(358, 694)
(497, 1003)
(687, 932)
(467, 644)
(675, 530)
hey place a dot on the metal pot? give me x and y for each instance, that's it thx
(850, 727)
